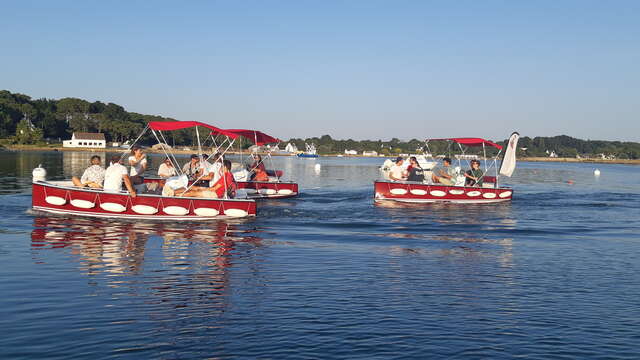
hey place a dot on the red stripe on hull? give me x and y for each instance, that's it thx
(422, 193)
(270, 190)
(64, 200)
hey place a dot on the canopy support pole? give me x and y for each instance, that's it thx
(135, 141)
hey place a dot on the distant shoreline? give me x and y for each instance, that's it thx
(179, 151)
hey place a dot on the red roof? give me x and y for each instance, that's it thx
(177, 125)
(473, 142)
(255, 136)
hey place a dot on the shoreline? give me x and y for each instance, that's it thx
(183, 152)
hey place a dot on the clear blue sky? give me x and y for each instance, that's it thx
(359, 69)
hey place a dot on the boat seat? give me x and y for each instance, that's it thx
(489, 179)
(275, 173)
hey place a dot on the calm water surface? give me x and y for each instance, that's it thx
(552, 275)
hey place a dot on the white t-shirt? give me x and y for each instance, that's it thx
(397, 172)
(216, 169)
(137, 169)
(113, 177)
(166, 171)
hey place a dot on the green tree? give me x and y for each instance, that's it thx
(26, 133)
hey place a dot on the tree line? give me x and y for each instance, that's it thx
(562, 146)
(28, 121)
(25, 120)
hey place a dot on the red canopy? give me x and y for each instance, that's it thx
(177, 125)
(255, 136)
(473, 142)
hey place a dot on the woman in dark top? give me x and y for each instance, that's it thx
(415, 171)
(474, 176)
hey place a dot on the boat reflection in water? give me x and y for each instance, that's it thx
(172, 264)
(475, 228)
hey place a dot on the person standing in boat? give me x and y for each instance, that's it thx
(415, 171)
(473, 177)
(115, 175)
(138, 163)
(397, 173)
(446, 175)
(93, 176)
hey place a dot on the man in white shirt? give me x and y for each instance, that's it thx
(397, 172)
(213, 170)
(115, 175)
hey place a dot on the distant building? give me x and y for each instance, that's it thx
(553, 154)
(466, 157)
(86, 140)
(369, 153)
(350, 152)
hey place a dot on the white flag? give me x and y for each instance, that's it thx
(509, 159)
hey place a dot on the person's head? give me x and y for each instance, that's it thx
(136, 150)
(399, 160)
(227, 165)
(168, 162)
(95, 160)
(116, 159)
(195, 158)
(204, 156)
(413, 160)
(257, 157)
(446, 161)
(215, 157)
(475, 164)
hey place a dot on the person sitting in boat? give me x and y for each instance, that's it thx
(93, 176)
(138, 163)
(257, 167)
(211, 170)
(115, 175)
(397, 172)
(473, 177)
(166, 169)
(446, 175)
(415, 171)
(226, 185)
(192, 168)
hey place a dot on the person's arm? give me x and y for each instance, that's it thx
(469, 176)
(85, 177)
(129, 186)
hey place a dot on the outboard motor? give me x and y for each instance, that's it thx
(39, 174)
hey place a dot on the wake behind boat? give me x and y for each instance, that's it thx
(451, 185)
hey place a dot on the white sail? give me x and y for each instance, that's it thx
(509, 159)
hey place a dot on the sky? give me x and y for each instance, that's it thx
(351, 69)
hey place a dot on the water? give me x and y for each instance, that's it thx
(552, 275)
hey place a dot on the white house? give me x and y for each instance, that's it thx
(350, 152)
(86, 140)
(370, 153)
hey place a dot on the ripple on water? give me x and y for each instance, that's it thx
(333, 275)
